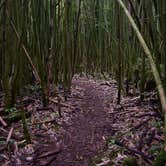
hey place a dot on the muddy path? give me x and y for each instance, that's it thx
(85, 133)
(90, 127)
(86, 136)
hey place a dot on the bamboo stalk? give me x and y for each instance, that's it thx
(151, 61)
(36, 75)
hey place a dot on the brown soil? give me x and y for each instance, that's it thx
(91, 122)
(86, 136)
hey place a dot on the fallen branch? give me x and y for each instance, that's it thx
(3, 122)
(48, 161)
(34, 70)
(104, 163)
(9, 135)
(127, 111)
(59, 107)
(146, 114)
(53, 152)
(143, 155)
(3, 130)
(45, 108)
(6, 133)
(42, 122)
(123, 112)
(141, 124)
(61, 104)
(106, 83)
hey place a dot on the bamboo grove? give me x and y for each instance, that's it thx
(46, 42)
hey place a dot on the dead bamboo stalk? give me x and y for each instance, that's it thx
(3, 122)
(9, 135)
(34, 70)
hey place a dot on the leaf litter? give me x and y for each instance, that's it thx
(92, 127)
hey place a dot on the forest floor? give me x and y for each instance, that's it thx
(93, 129)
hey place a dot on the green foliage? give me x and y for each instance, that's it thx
(155, 148)
(81, 36)
(10, 110)
(14, 116)
(2, 142)
(161, 159)
(130, 161)
(158, 124)
(112, 142)
(31, 87)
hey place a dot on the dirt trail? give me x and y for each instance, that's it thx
(84, 132)
(90, 127)
(89, 120)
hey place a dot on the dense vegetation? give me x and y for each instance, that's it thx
(45, 42)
